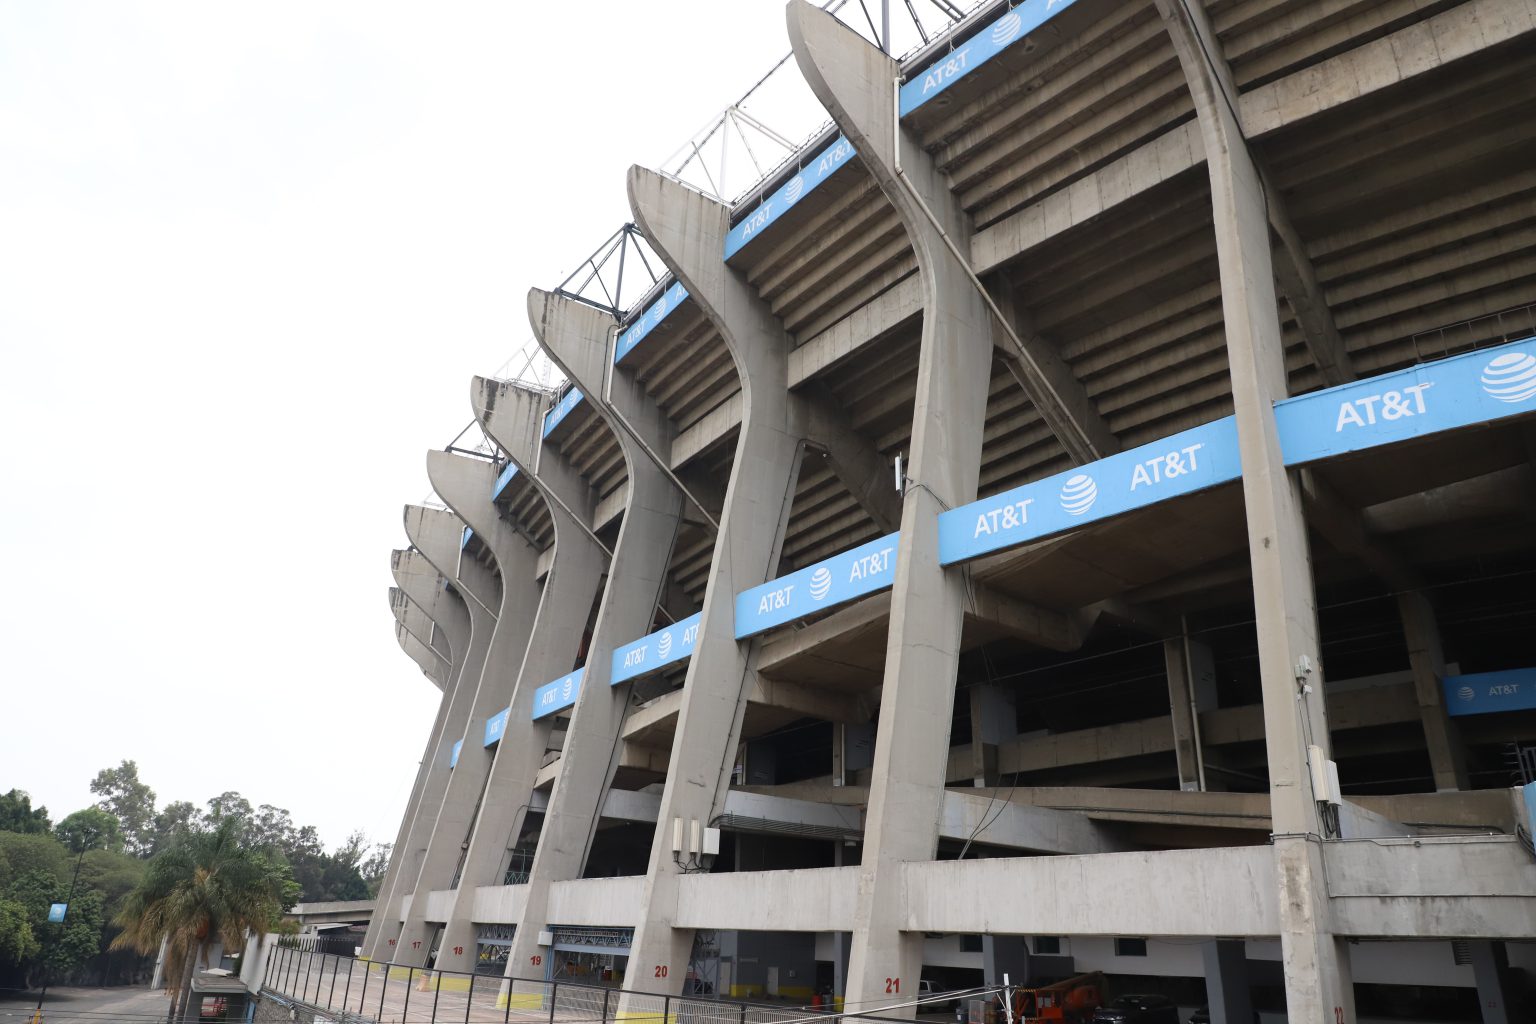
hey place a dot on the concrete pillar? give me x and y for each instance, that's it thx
(428, 590)
(514, 418)
(1191, 690)
(1316, 963)
(465, 484)
(1004, 954)
(854, 80)
(1490, 966)
(576, 337)
(688, 231)
(994, 721)
(1226, 981)
(1447, 754)
(408, 615)
(437, 534)
(429, 661)
(842, 947)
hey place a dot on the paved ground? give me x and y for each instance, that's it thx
(86, 1006)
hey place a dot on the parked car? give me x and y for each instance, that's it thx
(1134, 1009)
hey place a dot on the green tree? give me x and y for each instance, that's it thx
(90, 829)
(23, 854)
(208, 885)
(228, 804)
(18, 815)
(18, 943)
(130, 801)
(373, 868)
(175, 819)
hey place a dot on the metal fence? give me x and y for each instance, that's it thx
(391, 994)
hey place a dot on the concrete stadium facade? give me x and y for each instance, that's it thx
(1184, 642)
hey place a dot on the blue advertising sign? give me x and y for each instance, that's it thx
(832, 581)
(464, 538)
(646, 322)
(562, 409)
(660, 648)
(1530, 808)
(976, 51)
(816, 170)
(496, 726)
(1483, 692)
(1190, 461)
(1476, 387)
(502, 479)
(556, 696)
(56, 912)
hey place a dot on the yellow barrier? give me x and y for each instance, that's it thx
(520, 1001)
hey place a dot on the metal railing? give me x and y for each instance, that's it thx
(363, 990)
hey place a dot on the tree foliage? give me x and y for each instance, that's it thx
(18, 815)
(209, 885)
(128, 800)
(90, 828)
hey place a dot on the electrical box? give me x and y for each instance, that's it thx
(712, 847)
(677, 835)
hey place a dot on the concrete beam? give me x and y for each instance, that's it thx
(1317, 978)
(688, 231)
(576, 337)
(855, 82)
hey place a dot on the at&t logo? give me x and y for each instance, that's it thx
(664, 645)
(1467, 694)
(794, 190)
(821, 583)
(1510, 377)
(1006, 29)
(1078, 494)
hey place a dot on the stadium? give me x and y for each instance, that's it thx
(1073, 518)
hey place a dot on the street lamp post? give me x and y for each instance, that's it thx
(85, 843)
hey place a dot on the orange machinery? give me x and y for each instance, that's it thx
(1072, 1001)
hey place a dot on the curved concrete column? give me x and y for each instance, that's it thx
(415, 622)
(425, 658)
(429, 592)
(576, 337)
(854, 80)
(514, 418)
(688, 231)
(436, 534)
(1317, 972)
(465, 485)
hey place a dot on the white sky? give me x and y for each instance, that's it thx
(250, 256)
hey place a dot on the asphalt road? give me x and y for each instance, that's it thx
(86, 1006)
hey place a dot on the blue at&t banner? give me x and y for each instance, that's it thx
(659, 649)
(646, 322)
(56, 912)
(453, 756)
(1181, 464)
(556, 696)
(816, 170)
(976, 51)
(1476, 387)
(464, 538)
(496, 726)
(863, 570)
(1483, 692)
(502, 479)
(562, 409)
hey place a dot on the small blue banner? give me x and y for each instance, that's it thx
(646, 322)
(1530, 808)
(977, 50)
(464, 538)
(1484, 692)
(502, 479)
(1475, 387)
(56, 912)
(832, 581)
(562, 409)
(453, 756)
(659, 649)
(1190, 461)
(816, 170)
(556, 696)
(496, 726)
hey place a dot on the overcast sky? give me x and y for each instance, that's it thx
(250, 256)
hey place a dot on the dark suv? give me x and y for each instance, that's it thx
(1138, 1010)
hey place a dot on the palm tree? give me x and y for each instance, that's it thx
(209, 884)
